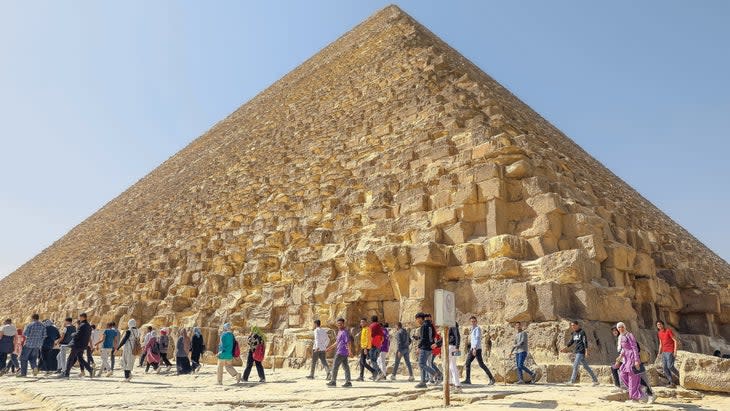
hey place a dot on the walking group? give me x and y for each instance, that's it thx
(50, 349)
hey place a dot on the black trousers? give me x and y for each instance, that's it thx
(478, 356)
(165, 360)
(89, 357)
(364, 364)
(48, 359)
(77, 354)
(259, 368)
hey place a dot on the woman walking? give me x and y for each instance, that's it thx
(630, 362)
(197, 347)
(182, 348)
(256, 343)
(164, 342)
(152, 352)
(225, 354)
(127, 344)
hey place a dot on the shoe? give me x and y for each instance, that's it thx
(347, 384)
(262, 380)
(91, 374)
(536, 377)
(331, 384)
(421, 385)
(650, 399)
(596, 383)
(392, 377)
(360, 379)
(381, 377)
(310, 377)
(62, 376)
(329, 376)
(158, 370)
(466, 382)
(492, 381)
(411, 379)
(128, 379)
(35, 371)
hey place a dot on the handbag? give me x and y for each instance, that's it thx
(258, 353)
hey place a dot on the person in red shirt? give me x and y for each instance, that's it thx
(668, 351)
(376, 338)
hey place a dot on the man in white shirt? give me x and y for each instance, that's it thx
(319, 349)
(475, 342)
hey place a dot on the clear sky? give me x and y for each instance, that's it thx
(94, 95)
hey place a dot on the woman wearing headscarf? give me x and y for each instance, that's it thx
(225, 354)
(197, 347)
(152, 352)
(129, 339)
(48, 354)
(255, 340)
(630, 361)
(182, 348)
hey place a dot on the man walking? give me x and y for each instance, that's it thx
(580, 340)
(475, 341)
(520, 348)
(365, 345)
(110, 338)
(454, 338)
(319, 349)
(35, 333)
(342, 353)
(668, 351)
(376, 343)
(63, 341)
(7, 338)
(79, 345)
(403, 350)
(425, 339)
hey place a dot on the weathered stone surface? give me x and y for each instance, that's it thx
(703, 372)
(383, 168)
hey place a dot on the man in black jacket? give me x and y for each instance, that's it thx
(79, 343)
(580, 340)
(425, 339)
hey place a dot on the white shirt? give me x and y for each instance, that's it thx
(9, 330)
(96, 336)
(321, 339)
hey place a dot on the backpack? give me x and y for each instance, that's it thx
(136, 345)
(643, 355)
(156, 348)
(258, 353)
(236, 349)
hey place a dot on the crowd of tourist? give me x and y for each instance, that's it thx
(49, 349)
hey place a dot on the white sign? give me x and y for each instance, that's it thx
(445, 306)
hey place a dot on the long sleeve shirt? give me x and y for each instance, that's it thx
(580, 340)
(402, 339)
(520, 342)
(35, 333)
(454, 336)
(321, 339)
(475, 338)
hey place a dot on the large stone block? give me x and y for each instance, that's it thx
(466, 253)
(695, 301)
(546, 203)
(506, 245)
(593, 243)
(430, 254)
(703, 372)
(564, 267)
(553, 302)
(500, 267)
(492, 188)
(620, 256)
(457, 233)
(443, 216)
(520, 302)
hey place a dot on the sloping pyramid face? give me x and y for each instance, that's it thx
(382, 168)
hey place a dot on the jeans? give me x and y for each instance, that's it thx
(319, 355)
(364, 364)
(668, 364)
(406, 355)
(3, 360)
(340, 360)
(424, 359)
(14, 365)
(580, 359)
(89, 357)
(478, 356)
(28, 355)
(373, 355)
(439, 375)
(520, 358)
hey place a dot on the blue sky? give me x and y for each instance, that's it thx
(94, 95)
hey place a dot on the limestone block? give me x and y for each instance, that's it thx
(724, 316)
(703, 372)
(553, 302)
(533, 186)
(506, 245)
(542, 246)
(414, 204)
(496, 221)
(466, 194)
(441, 199)
(429, 254)
(580, 224)
(500, 267)
(546, 203)
(466, 253)
(520, 302)
(472, 213)
(696, 301)
(393, 258)
(646, 290)
(443, 216)
(545, 225)
(457, 273)
(566, 267)
(457, 233)
(492, 188)
(518, 169)
(593, 243)
(644, 265)
(700, 323)
(620, 256)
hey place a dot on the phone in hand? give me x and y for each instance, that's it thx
(456, 353)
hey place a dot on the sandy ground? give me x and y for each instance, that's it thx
(286, 389)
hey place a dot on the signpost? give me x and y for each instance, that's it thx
(445, 307)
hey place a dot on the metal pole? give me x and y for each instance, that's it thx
(446, 358)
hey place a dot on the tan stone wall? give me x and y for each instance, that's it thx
(384, 167)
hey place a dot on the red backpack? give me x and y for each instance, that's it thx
(236, 349)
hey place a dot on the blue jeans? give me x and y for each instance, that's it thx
(424, 359)
(405, 354)
(373, 355)
(520, 358)
(580, 359)
(668, 364)
(28, 354)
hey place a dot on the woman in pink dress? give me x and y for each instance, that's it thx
(152, 349)
(630, 360)
(18, 342)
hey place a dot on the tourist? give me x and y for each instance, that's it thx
(520, 350)
(454, 340)
(319, 349)
(365, 345)
(110, 338)
(580, 340)
(7, 336)
(668, 351)
(164, 342)
(197, 348)
(145, 340)
(424, 337)
(79, 345)
(182, 350)
(630, 363)
(615, 370)
(64, 341)
(256, 345)
(403, 348)
(116, 341)
(225, 354)
(376, 343)
(14, 357)
(475, 343)
(96, 337)
(129, 344)
(152, 351)
(384, 348)
(49, 354)
(342, 354)
(34, 333)
(435, 353)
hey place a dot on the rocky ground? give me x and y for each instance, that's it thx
(287, 389)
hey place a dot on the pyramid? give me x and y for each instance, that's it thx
(384, 167)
